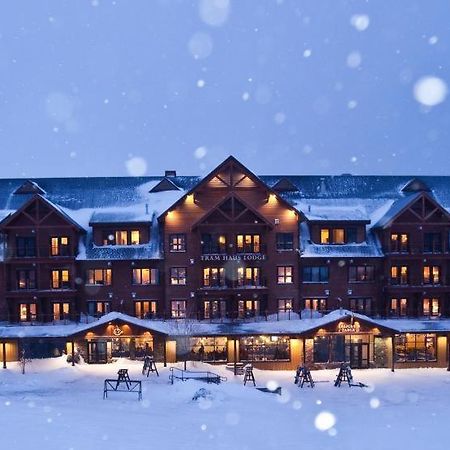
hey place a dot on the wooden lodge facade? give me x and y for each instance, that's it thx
(256, 268)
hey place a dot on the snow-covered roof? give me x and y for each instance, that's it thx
(195, 328)
(371, 248)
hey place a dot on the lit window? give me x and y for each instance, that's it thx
(178, 308)
(214, 277)
(145, 276)
(431, 307)
(60, 279)
(399, 275)
(285, 304)
(248, 308)
(338, 236)
(178, 275)
(145, 309)
(399, 243)
(59, 246)
(61, 311)
(135, 237)
(98, 309)
(26, 279)
(399, 306)
(27, 312)
(177, 242)
(248, 243)
(431, 274)
(316, 304)
(284, 274)
(361, 273)
(99, 276)
(248, 276)
(325, 236)
(121, 238)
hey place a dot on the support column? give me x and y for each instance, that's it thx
(304, 351)
(4, 354)
(393, 353)
(448, 353)
(235, 356)
(165, 352)
(73, 353)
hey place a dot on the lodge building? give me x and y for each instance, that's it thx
(277, 270)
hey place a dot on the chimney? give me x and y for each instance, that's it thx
(170, 173)
(146, 209)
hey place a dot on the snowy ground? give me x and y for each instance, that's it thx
(56, 406)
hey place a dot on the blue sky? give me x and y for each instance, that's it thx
(287, 86)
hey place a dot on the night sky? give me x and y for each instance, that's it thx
(134, 87)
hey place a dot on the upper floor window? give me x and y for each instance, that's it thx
(249, 276)
(399, 243)
(361, 273)
(213, 277)
(60, 279)
(145, 309)
(317, 274)
(399, 275)
(177, 242)
(332, 236)
(285, 274)
(25, 246)
(430, 307)
(432, 242)
(145, 276)
(122, 237)
(248, 243)
(178, 308)
(178, 275)
(26, 279)
(59, 246)
(213, 243)
(361, 305)
(399, 306)
(61, 310)
(99, 276)
(97, 309)
(285, 304)
(285, 241)
(352, 234)
(27, 312)
(315, 304)
(431, 275)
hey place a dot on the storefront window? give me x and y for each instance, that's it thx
(208, 349)
(264, 348)
(329, 349)
(415, 347)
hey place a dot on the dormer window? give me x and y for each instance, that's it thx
(122, 237)
(332, 236)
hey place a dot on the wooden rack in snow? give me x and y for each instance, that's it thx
(122, 384)
(302, 376)
(149, 366)
(345, 374)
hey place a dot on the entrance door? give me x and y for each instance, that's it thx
(357, 354)
(97, 352)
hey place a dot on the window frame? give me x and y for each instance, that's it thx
(137, 276)
(284, 242)
(180, 245)
(106, 277)
(175, 273)
(284, 277)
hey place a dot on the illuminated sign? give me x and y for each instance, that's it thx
(348, 327)
(243, 257)
(117, 331)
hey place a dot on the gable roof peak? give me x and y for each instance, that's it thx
(415, 185)
(29, 187)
